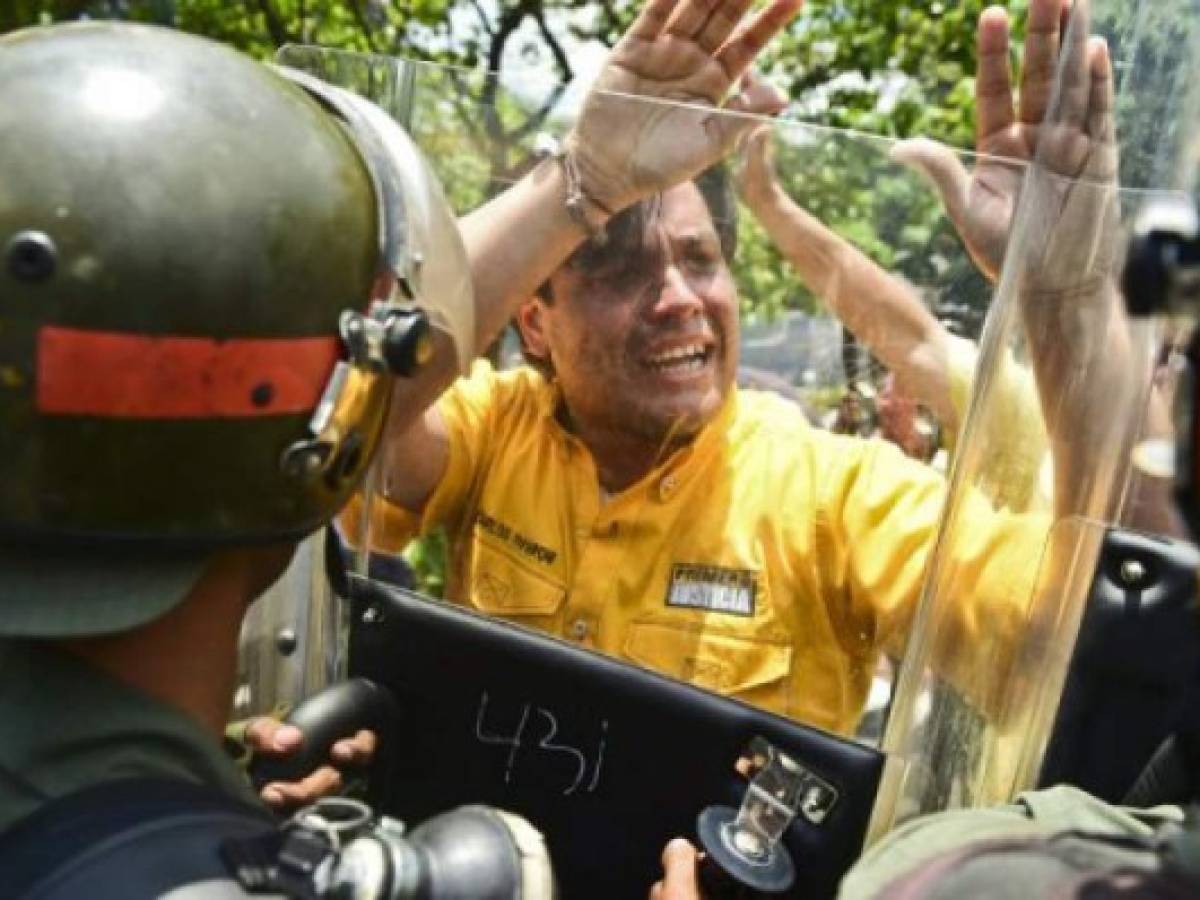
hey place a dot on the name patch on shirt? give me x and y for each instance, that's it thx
(527, 546)
(730, 591)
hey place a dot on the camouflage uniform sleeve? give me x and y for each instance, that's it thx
(1034, 814)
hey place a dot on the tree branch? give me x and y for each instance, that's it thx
(509, 22)
(275, 26)
(536, 119)
(465, 115)
(364, 26)
(566, 73)
(483, 18)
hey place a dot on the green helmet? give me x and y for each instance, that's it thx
(207, 270)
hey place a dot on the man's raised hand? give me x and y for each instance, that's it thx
(1011, 132)
(651, 119)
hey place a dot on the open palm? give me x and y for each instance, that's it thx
(1077, 143)
(651, 119)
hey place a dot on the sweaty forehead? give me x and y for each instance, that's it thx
(683, 215)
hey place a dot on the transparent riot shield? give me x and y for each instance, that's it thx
(972, 718)
(773, 544)
(869, 486)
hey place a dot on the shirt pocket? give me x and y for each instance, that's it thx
(504, 586)
(750, 669)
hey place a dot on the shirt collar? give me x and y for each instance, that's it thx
(676, 466)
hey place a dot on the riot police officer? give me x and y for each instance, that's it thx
(207, 282)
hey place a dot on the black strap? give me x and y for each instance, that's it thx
(65, 828)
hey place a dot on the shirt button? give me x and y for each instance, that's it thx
(579, 629)
(667, 486)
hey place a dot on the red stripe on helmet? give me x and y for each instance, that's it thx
(131, 376)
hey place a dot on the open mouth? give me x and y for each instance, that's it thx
(683, 360)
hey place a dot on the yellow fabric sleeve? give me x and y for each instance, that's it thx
(878, 517)
(875, 523)
(1018, 468)
(466, 411)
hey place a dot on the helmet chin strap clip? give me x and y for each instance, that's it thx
(389, 340)
(393, 337)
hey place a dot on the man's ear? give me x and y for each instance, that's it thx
(531, 323)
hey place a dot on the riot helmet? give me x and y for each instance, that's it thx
(209, 270)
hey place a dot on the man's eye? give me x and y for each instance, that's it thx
(703, 263)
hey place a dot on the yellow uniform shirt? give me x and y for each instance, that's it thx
(768, 560)
(1019, 468)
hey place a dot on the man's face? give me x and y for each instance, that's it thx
(647, 342)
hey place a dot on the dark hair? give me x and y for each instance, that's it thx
(626, 229)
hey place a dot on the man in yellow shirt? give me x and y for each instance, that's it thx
(625, 495)
(639, 504)
(764, 559)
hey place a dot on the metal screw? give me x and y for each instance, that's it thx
(1132, 572)
(814, 805)
(31, 256)
(286, 641)
(304, 459)
(262, 394)
(747, 842)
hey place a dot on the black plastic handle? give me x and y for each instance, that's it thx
(337, 712)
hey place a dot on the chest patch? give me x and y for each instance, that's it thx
(730, 591)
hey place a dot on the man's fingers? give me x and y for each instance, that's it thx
(757, 150)
(1042, 37)
(689, 18)
(355, 751)
(321, 783)
(760, 98)
(1101, 120)
(266, 735)
(1076, 69)
(652, 20)
(1101, 124)
(752, 170)
(993, 82)
(679, 872)
(942, 167)
(721, 23)
(739, 51)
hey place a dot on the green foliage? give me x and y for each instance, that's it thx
(887, 68)
(890, 69)
(1151, 45)
(428, 557)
